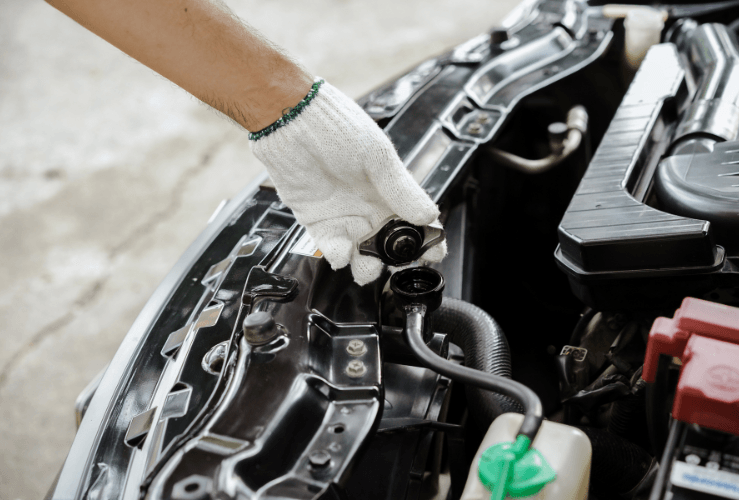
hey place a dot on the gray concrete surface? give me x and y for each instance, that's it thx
(108, 172)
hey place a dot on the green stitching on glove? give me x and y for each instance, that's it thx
(288, 116)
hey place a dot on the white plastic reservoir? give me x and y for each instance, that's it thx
(643, 28)
(567, 449)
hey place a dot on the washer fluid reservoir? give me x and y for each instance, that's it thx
(566, 449)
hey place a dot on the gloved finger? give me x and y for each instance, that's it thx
(337, 249)
(436, 253)
(356, 227)
(336, 238)
(401, 192)
(365, 269)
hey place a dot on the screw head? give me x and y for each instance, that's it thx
(356, 369)
(474, 128)
(319, 459)
(356, 348)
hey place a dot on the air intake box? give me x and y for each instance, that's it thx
(617, 251)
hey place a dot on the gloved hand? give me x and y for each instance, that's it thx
(341, 176)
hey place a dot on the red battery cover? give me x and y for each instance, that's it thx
(705, 336)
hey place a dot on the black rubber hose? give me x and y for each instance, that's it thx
(485, 348)
(413, 333)
(618, 466)
(629, 415)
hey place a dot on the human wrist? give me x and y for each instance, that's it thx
(272, 96)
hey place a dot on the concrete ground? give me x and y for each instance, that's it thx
(108, 172)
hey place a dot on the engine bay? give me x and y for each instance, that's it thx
(591, 212)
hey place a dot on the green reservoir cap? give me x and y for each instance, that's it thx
(514, 469)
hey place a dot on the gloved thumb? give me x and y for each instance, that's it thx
(365, 269)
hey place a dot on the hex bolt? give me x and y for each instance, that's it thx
(356, 369)
(356, 348)
(319, 459)
(474, 128)
(482, 118)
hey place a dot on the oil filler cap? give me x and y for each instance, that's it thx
(705, 337)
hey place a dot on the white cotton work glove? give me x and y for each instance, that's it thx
(341, 176)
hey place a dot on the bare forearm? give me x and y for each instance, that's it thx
(202, 47)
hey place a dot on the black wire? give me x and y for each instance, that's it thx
(413, 333)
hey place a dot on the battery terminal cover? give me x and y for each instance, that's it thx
(705, 337)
